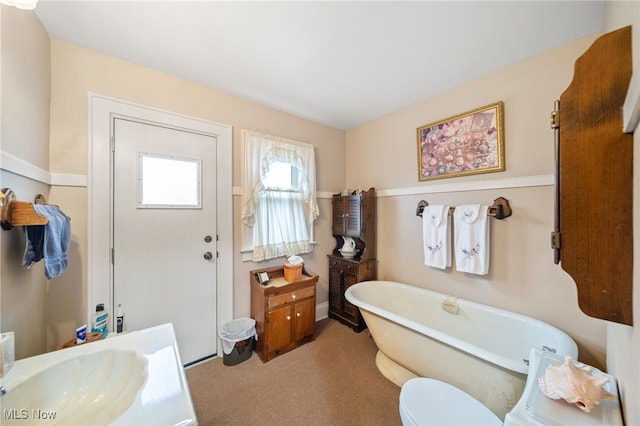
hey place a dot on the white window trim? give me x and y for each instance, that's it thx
(140, 182)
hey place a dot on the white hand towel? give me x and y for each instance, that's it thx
(471, 229)
(436, 233)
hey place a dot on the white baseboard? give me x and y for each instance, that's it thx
(322, 311)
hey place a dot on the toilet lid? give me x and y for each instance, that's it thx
(425, 401)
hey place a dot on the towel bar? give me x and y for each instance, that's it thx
(19, 213)
(500, 208)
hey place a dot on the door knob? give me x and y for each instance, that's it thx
(208, 255)
(208, 239)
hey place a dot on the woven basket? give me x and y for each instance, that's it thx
(292, 272)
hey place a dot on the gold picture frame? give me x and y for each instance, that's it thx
(466, 144)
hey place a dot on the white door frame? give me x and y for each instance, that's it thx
(99, 195)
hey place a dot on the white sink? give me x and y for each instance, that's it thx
(93, 388)
(132, 379)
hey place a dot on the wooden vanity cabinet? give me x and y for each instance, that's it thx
(343, 273)
(285, 312)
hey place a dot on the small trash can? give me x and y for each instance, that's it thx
(238, 340)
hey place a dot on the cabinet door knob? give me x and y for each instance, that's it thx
(293, 296)
(288, 317)
(298, 314)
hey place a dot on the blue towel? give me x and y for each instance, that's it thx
(50, 241)
(34, 248)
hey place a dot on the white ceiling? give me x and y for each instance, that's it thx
(337, 63)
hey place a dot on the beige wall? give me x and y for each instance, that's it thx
(522, 276)
(76, 71)
(25, 87)
(24, 124)
(623, 343)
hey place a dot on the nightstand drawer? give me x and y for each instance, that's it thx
(289, 297)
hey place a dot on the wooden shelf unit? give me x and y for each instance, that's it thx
(354, 216)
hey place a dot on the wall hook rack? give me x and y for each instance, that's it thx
(500, 209)
(19, 213)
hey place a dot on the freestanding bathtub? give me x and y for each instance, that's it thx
(480, 349)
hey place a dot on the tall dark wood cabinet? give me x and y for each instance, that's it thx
(354, 217)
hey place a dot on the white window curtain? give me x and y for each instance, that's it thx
(279, 217)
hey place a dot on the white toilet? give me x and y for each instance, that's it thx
(426, 401)
(429, 402)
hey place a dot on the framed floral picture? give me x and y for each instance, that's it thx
(462, 145)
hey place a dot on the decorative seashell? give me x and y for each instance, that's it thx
(573, 384)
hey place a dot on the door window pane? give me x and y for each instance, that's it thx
(168, 182)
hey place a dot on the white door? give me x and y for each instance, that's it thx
(164, 232)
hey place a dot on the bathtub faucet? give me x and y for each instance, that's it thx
(450, 305)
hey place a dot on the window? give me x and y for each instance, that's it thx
(278, 195)
(168, 182)
(280, 176)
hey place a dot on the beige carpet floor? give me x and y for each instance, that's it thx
(330, 381)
